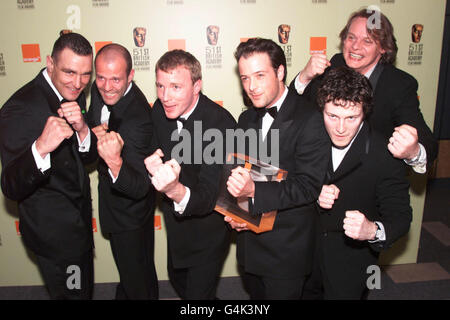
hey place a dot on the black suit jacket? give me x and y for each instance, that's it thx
(286, 251)
(395, 102)
(198, 235)
(55, 206)
(128, 203)
(371, 181)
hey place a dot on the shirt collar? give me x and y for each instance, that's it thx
(280, 101)
(186, 115)
(369, 73)
(47, 77)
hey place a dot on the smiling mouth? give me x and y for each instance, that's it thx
(356, 56)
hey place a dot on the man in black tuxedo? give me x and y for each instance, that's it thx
(276, 263)
(364, 201)
(44, 140)
(369, 47)
(197, 237)
(121, 119)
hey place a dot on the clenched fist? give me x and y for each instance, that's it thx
(404, 142)
(328, 195)
(55, 131)
(71, 111)
(109, 149)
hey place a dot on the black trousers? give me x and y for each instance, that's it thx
(68, 279)
(133, 253)
(196, 282)
(267, 288)
(318, 285)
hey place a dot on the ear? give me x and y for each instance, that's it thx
(280, 72)
(198, 86)
(130, 76)
(50, 64)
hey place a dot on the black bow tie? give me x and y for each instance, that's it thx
(182, 120)
(109, 107)
(272, 111)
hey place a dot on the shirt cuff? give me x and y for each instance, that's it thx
(300, 87)
(419, 163)
(86, 144)
(181, 206)
(112, 176)
(43, 164)
(382, 233)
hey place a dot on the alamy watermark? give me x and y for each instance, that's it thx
(374, 280)
(190, 148)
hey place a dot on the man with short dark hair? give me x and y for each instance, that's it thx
(44, 140)
(197, 237)
(121, 119)
(364, 202)
(275, 263)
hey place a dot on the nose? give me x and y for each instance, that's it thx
(252, 84)
(107, 85)
(77, 81)
(356, 44)
(341, 126)
(165, 94)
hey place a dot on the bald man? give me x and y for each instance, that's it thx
(120, 117)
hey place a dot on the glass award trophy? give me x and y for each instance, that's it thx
(238, 208)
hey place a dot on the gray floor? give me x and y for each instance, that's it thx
(429, 279)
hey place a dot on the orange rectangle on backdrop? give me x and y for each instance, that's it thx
(100, 44)
(31, 52)
(176, 44)
(318, 45)
(219, 102)
(157, 222)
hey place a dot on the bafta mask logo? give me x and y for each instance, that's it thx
(416, 32)
(212, 35)
(139, 36)
(283, 33)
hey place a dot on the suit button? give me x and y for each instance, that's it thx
(325, 234)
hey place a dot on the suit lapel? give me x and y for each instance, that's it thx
(375, 76)
(284, 117)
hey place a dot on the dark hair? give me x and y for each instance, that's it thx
(344, 84)
(73, 41)
(115, 47)
(259, 45)
(384, 35)
(175, 58)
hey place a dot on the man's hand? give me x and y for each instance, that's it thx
(240, 183)
(236, 225)
(328, 195)
(315, 67)
(71, 111)
(358, 227)
(109, 149)
(100, 130)
(153, 162)
(166, 180)
(55, 131)
(404, 142)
